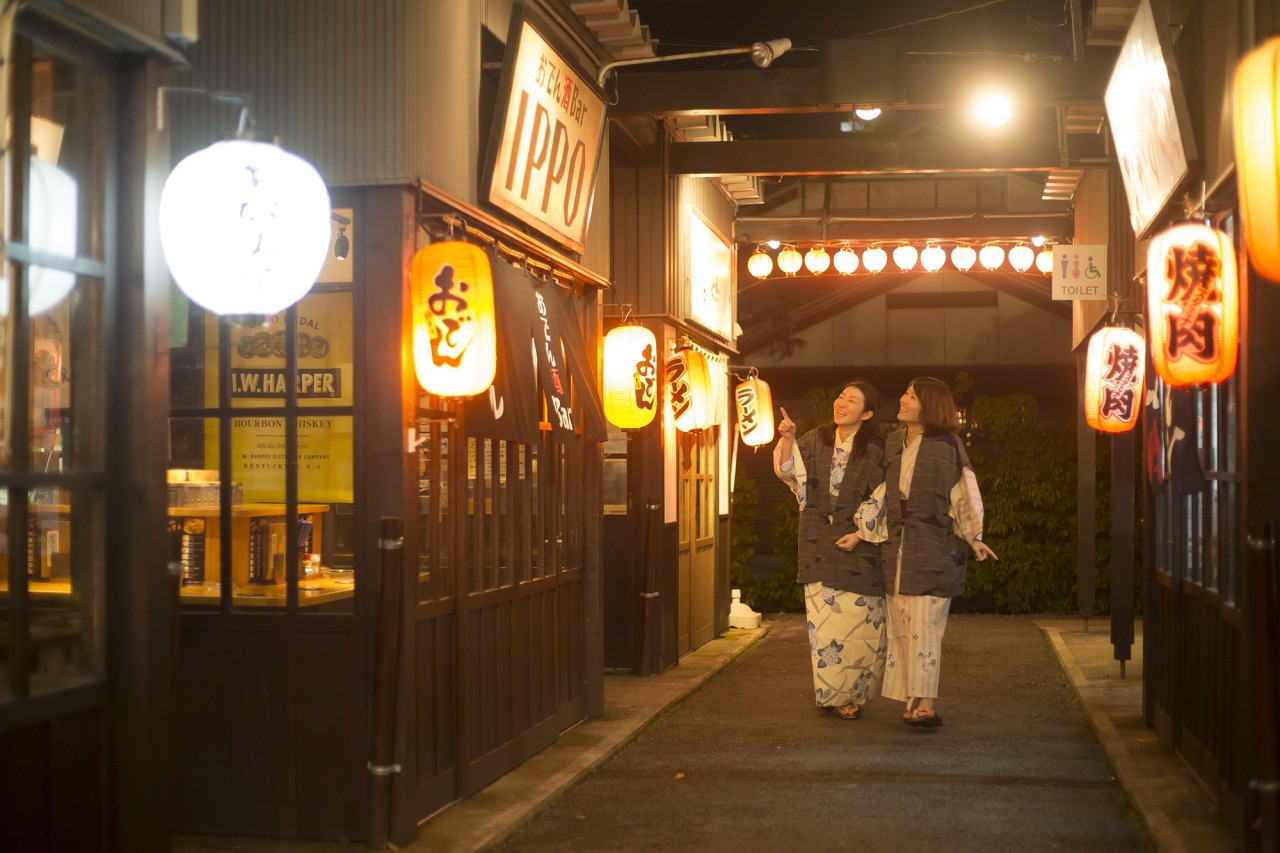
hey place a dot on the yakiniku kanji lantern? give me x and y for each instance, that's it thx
(1257, 148)
(1113, 379)
(1193, 305)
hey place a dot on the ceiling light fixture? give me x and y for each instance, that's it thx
(867, 113)
(763, 54)
(993, 109)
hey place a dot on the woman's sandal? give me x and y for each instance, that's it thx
(850, 712)
(923, 719)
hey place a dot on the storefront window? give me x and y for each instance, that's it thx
(52, 372)
(279, 535)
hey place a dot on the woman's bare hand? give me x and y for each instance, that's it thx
(848, 542)
(981, 551)
(787, 427)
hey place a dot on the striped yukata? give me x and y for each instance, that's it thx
(930, 531)
(843, 592)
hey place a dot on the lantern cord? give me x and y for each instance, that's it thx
(455, 222)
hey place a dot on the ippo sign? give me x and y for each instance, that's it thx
(545, 157)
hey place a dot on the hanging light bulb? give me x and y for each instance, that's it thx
(963, 257)
(846, 260)
(991, 257)
(816, 260)
(1044, 260)
(867, 113)
(874, 259)
(905, 257)
(789, 261)
(933, 257)
(773, 244)
(760, 264)
(1021, 257)
(1037, 241)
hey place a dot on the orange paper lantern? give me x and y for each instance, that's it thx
(1257, 115)
(630, 376)
(1114, 374)
(689, 387)
(455, 342)
(1193, 304)
(755, 412)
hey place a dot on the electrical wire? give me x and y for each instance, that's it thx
(934, 18)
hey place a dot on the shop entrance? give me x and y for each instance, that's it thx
(697, 538)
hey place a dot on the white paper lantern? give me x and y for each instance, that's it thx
(1021, 257)
(963, 257)
(846, 261)
(905, 257)
(816, 260)
(991, 257)
(245, 227)
(1044, 260)
(933, 257)
(51, 228)
(874, 259)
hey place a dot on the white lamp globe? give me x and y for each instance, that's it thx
(51, 227)
(933, 257)
(1044, 260)
(1021, 257)
(991, 257)
(905, 257)
(846, 261)
(874, 259)
(245, 227)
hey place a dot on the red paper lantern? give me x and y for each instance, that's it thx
(1113, 385)
(1193, 303)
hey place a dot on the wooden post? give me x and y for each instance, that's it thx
(1086, 504)
(385, 666)
(1122, 546)
(649, 592)
(1263, 636)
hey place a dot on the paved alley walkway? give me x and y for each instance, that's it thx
(747, 763)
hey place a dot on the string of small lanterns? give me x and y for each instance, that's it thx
(1022, 257)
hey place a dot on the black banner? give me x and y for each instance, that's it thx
(509, 409)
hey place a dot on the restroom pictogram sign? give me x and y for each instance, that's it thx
(1079, 272)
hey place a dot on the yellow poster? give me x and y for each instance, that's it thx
(324, 378)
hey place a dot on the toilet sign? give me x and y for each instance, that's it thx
(1079, 272)
(550, 118)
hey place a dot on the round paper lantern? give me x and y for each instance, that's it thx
(846, 261)
(689, 389)
(51, 227)
(245, 227)
(933, 257)
(1113, 379)
(905, 257)
(789, 261)
(755, 411)
(630, 376)
(760, 264)
(455, 343)
(963, 257)
(1044, 260)
(1021, 257)
(816, 260)
(1257, 115)
(991, 257)
(1193, 305)
(874, 259)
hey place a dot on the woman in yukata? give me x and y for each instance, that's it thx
(933, 514)
(832, 470)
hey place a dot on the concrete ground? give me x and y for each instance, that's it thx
(726, 752)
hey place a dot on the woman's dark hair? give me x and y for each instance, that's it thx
(871, 400)
(938, 410)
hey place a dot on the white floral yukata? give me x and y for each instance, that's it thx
(847, 636)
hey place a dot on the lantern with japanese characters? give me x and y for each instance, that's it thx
(755, 411)
(1113, 379)
(455, 342)
(630, 376)
(1257, 149)
(1193, 303)
(689, 389)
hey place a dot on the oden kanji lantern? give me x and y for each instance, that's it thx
(755, 411)
(455, 342)
(1113, 379)
(1193, 304)
(689, 389)
(1257, 148)
(630, 376)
